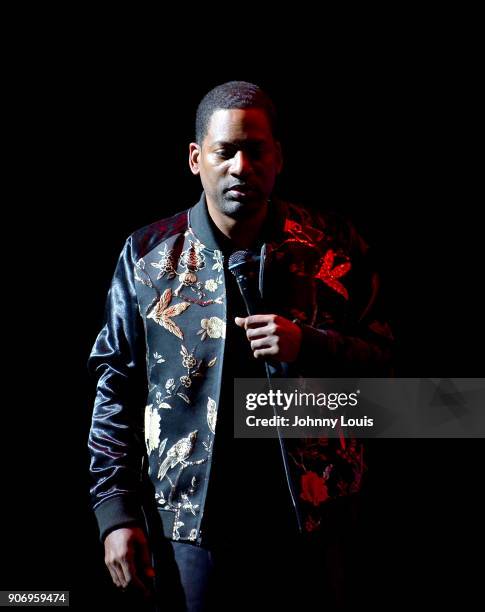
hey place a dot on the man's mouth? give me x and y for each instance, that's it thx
(240, 191)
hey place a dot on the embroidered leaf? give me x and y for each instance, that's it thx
(328, 260)
(329, 276)
(174, 329)
(165, 405)
(338, 287)
(161, 448)
(175, 310)
(340, 270)
(212, 362)
(165, 299)
(161, 312)
(145, 281)
(211, 414)
(184, 397)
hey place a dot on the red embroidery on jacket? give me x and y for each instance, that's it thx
(313, 488)
(329, 275)
(297, 232)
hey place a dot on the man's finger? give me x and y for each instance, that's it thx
(258, 332)
(261, 343)
(254, 320)
(114, 575)
(127, 570)
(265, 352)
(123, 582)
(131, 576)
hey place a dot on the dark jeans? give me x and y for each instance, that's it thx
(280, 576)
(284, 572)
(296, 573)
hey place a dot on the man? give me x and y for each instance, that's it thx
(173, 493)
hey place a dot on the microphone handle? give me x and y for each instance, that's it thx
(254, 305)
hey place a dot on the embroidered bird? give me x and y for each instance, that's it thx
(177, 454)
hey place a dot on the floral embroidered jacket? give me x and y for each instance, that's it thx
(158, 362)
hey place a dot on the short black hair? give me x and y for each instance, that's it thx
(233, 94)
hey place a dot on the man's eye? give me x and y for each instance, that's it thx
(224, 153)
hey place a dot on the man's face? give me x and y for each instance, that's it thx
(238, 161)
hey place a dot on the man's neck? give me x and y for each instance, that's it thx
(244, 232)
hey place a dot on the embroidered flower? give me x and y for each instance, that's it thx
(160, 497)
(188, 505)
(188, 360)
(219, 264)
(152, 428)
(176, 526)
(160, 402)
(186, 381)
(193, 535)
(165, 265)
(211, 285)
(313, 488)
(213, 327)
(188, 278)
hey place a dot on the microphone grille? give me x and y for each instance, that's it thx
(237, 258)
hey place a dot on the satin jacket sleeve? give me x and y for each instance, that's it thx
(117, 362)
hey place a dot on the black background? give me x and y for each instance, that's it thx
(101, 132)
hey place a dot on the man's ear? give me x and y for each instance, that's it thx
(194, 154)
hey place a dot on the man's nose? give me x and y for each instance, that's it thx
(241, 164)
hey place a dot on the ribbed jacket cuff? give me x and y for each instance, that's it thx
(116, 512)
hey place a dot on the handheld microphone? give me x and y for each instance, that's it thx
(244, 266)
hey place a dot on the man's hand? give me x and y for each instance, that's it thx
(272, 336)
(127, 556)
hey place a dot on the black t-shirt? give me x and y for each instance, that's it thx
(248, 497)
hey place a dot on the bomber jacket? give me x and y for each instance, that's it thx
(158, 361)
